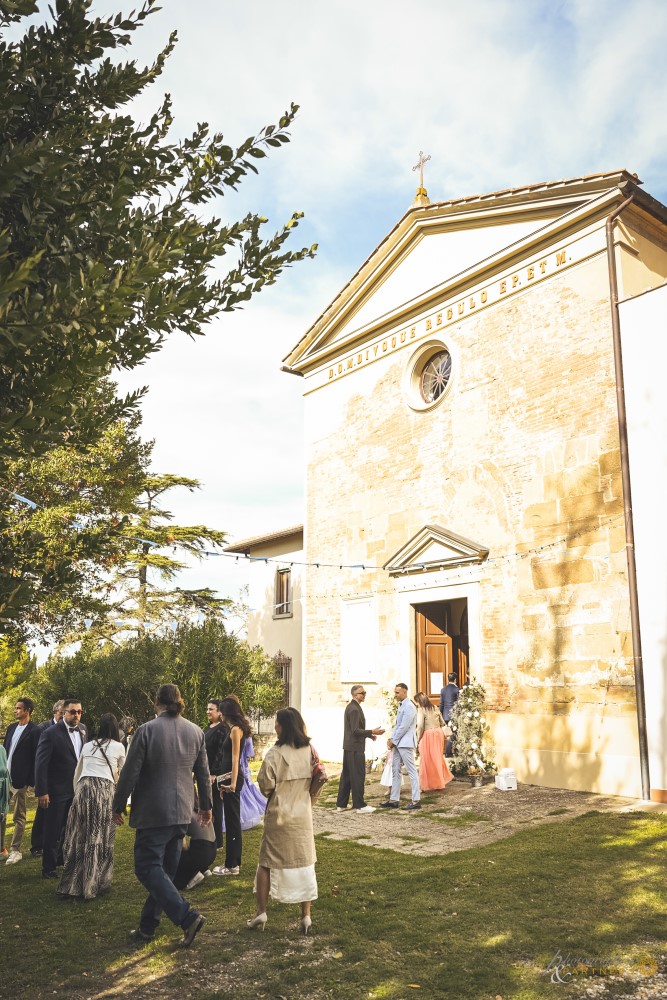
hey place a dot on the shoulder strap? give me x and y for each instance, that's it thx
(98, 744)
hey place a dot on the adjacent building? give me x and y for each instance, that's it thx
(275, 600)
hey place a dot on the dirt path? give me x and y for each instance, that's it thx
(458, 818)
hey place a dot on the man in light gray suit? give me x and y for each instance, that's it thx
(158, 774)
(403, 742)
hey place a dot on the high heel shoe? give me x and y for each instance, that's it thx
(305, 924)
(258, 921)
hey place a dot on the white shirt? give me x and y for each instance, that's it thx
(92, 763)
(77, 740)
(18, 732)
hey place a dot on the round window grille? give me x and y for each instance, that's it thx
(428, 375)
(435, 376)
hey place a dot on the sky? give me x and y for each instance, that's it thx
(500, 93)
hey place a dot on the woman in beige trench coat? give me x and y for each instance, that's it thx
(286, 869)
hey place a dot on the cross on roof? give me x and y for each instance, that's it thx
(419, 165)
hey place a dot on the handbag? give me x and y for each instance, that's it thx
(224, 782)
(446, 729)
(318, 777)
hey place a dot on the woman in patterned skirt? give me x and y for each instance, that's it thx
(89, 837)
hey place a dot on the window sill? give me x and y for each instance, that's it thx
(284, 614)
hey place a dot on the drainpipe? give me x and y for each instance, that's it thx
(627, 502)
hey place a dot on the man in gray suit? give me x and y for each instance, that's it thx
(158, 774)
(403, 742)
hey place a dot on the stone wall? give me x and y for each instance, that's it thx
(521, 453)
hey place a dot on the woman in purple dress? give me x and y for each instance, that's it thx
(253, 803)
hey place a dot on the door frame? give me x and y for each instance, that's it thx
(437, 589)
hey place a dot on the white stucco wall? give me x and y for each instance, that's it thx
(277, 634)
(644, 340)
(437, 258)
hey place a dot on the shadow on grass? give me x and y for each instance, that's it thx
(485, 922)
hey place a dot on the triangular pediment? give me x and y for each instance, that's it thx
(435, 548)
(438, 247)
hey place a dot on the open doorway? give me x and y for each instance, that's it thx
(441, 636)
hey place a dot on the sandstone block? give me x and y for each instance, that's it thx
(610, 462)
(576, 508)
(560, 574)
(541, 515)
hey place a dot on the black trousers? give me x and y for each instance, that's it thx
(197, 858)
(37, 835)
(231, 803)
(352, 778)
(55, 820)
(217, 814)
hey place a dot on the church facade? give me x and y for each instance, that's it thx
(464, 490)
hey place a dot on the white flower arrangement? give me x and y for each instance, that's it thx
(468, 731)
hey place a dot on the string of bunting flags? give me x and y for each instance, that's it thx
(244, 557)
(462, 573)
(76, 522)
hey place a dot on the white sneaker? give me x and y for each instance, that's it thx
(341, 809)
(195, 880)
(207, 873)
(366, 809)
(222, 870)
(14, 856)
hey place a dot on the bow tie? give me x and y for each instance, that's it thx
(74, 729)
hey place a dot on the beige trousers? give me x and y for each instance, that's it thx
(18, 805)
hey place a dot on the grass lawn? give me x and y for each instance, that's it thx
(476, 924)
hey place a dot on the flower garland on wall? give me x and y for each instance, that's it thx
(469, 731)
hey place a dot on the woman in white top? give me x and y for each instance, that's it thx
(89, 837)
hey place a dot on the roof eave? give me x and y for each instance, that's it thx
(257, 541)
(585, 187)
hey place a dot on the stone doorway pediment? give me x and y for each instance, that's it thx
(435, 548)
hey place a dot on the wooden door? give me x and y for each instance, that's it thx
(434, 648)
(461, 651)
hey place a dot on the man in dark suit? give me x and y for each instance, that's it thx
(20, 744)
(355, 734)
(58, 752)
(37, 834)
(448, 698)
(158, 774)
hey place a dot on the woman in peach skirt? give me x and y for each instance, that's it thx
(433, 770)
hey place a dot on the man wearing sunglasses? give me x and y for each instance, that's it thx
(355, 734)
(58, 752)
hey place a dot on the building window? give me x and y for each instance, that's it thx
(283, 593)
(284, 667)
(428, 375)
(358, 640)
(435, 376)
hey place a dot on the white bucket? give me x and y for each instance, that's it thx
(506, 780)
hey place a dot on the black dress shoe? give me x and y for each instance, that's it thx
(190, 932)
(138, 937)
(412, 805)
(49, 874)
(36, 853)
(389, 805)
